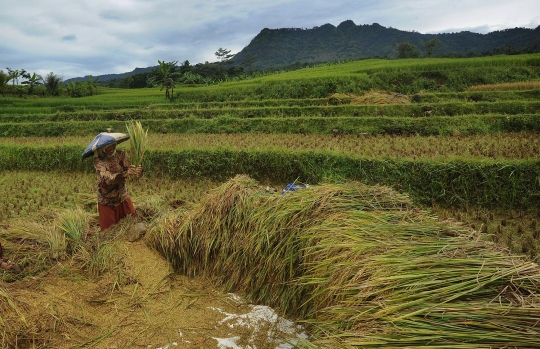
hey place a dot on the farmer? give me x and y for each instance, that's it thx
(4, 265)
(113, 169)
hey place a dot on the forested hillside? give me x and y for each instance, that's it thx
(282, 47)
(296, 47)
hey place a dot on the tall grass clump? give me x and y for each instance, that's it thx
(360, 263)
(138, 139)
(73, 223)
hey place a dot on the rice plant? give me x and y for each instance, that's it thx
(73, 223)
(138, 139)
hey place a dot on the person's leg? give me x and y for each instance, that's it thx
(126, 208)
(107, 216)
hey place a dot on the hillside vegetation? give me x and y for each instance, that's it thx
(293, 46)
(417, 154)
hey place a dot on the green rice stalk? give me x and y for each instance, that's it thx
(57, 241)
(73, 223)
(138, 138)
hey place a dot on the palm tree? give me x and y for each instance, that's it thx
(15, 74)
(72, 89)
(164, 76)
(91, 85)
(32, 81)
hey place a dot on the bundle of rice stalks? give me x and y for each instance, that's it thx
(73, 223)
(381, 97)
(370, 97)
(36, 242)
(138, 139)
(360, 263)
(238, 226)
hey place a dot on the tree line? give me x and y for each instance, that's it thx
(199, 74)
(19, 82)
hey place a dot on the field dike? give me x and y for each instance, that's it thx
(359, 264)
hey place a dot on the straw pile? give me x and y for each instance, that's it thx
(360, 263)
(370, 97)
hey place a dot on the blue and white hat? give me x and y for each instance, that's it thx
(102, 140)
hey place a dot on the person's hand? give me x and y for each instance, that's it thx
(134, 170)
(6, 265)
(131, 171)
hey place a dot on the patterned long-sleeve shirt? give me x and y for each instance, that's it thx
(112, 189)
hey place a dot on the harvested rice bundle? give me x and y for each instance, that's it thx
(381, 97)
(138, 139)
(364, 266)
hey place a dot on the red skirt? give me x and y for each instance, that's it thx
(110, 215)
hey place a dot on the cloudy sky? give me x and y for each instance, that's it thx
(74, 38)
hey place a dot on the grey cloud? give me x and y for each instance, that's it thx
(110, 16)
(70, 37)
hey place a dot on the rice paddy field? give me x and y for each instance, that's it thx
(414, 222)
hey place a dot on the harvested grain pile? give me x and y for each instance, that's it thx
(370, 97)
(364, 266)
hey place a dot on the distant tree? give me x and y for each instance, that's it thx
(430, 45)
(91, 85)
(185, 67)
(248, 62)
(14, 75)
(210, 71)
(223, 54)
(407, 50)
(506, 50)
(139, 80)
(32, 81)
(4, 79)
(52, 84)
(189, 78)
(235, 71)
(164, 76)
(126, 82)
(71, 89)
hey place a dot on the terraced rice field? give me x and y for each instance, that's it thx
(459, 137)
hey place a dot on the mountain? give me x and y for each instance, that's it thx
(273, 48)
(114, 76)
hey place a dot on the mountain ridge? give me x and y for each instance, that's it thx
(274, 48)
(286, 46)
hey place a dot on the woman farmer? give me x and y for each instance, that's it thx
(113, 169)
